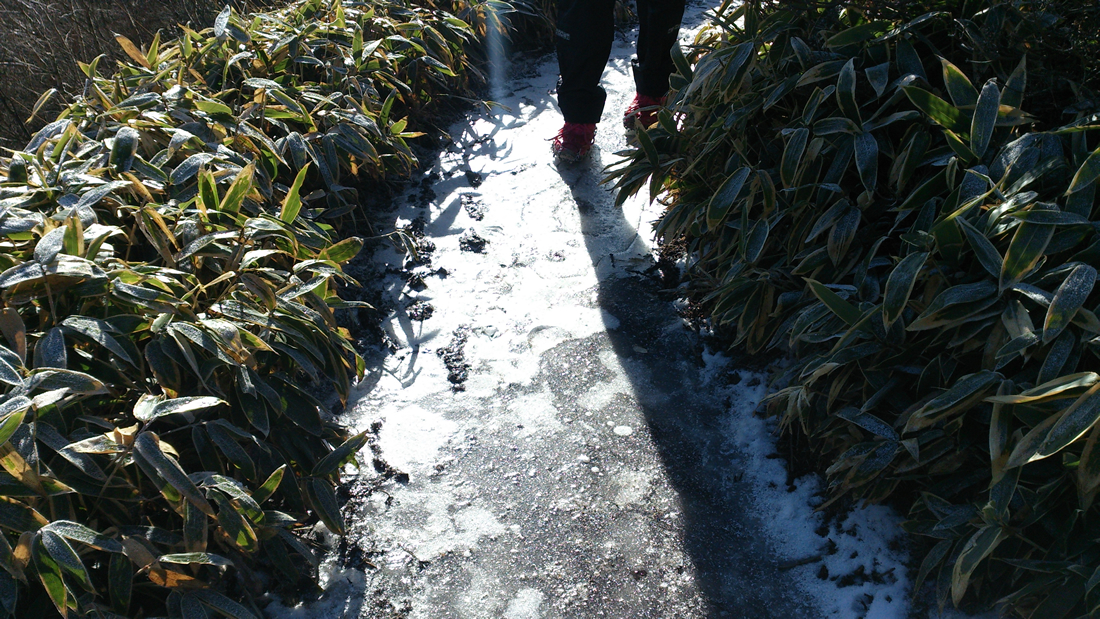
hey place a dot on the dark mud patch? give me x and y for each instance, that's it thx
(420, 310)
(472, 242)
(454, 357)
(473, 206)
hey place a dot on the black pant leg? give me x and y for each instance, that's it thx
(658, 30)
(586, 29)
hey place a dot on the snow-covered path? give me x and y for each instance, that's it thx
(597, 463)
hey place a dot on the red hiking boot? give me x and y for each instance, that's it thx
(641, 111)
(573, 142)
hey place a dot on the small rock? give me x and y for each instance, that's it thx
(623, 430)
(584, 459)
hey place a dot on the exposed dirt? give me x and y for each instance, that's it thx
(454, 357)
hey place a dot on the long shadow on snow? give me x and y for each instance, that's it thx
(735, 570)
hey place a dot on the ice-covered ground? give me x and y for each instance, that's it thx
(597, 461)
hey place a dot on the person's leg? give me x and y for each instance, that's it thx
(658, 30)
(585, 31)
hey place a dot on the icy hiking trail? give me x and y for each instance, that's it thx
(552, 440)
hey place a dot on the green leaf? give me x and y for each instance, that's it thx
(1068, 298)
(120, 582)
(189, 168)
(908, 60)
(940, 111)
(332, 461)
(819, 72)
(147, 446)
(323, 499)
(1049, 217)
(233, 523)
(208, 190)
(12, 411)
(221, 434)
(242, 184)
(100, 332)
(80, 533)
(1087, 174)
(758, 236)
(835, 124)
(204, 558)
(960, 147)
(985, 118)
(843, 233)
(221, 21)
(195, 525)
(1072, 425)
(959, 87)
(66, 557)
(123, 149)
(1024, 252)
(899, 286)
(50, 245)
(722, 200)
(648, 148)
(963, 393)
(868, 422)
(846, 311)
(858, 34)
(683, 67)
(792, 156)
(866, 154)
(1052, 389)
(978, 547)
(214, 108)
(931, 560)
(987, 254)
(49, 572)
(846, 92)
(292, 203)
(175, 406)
(343, 251)
(269, 486)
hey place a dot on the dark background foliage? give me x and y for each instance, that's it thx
(42, 40)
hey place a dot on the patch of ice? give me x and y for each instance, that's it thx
(345, 592)
(412, 435)
(525, 605)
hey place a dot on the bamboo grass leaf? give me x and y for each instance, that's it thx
(1024, 252)
(900, 285)
(846, 92)
(940, 111)
(977, 548)
(292, 203)
(1087, 174)
(959, 87)
(985, 118)
(147, 445)
(846, 311)
(329, 464)
(1068, 298)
